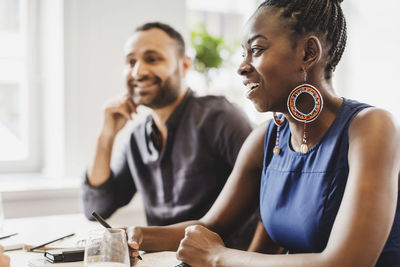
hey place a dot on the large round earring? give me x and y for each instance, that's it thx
(305, 117)
(278, 122)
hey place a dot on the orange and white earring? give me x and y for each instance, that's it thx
(278, 122)
(305, 117)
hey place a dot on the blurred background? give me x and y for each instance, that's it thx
(60, 60)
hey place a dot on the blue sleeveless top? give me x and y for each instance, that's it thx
(300, 194)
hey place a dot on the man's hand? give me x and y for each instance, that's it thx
(135, 238)
(199, 247)
(116, 114)
(4, 259)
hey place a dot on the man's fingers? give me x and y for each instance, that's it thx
(121, 110)
(1, 249)
(123, 106)
(131, 105)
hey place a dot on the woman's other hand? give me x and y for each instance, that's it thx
(200, 247)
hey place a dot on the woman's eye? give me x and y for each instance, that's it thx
(255, 50)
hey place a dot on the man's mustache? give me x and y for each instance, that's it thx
(133, 82)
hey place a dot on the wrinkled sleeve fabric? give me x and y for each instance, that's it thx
(231, 130)
(116, 192)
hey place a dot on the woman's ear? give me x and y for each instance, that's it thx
(312, 52)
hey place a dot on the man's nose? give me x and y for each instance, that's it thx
(139, 70)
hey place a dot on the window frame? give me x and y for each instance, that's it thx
(31, 97)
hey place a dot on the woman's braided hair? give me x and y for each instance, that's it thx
(316, 16)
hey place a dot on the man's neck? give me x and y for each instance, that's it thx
(161, 115)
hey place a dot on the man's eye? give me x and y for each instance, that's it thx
(132, 62)
(152, 59)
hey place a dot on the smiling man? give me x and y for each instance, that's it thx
(181, 155)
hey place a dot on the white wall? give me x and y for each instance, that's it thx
(94, 32)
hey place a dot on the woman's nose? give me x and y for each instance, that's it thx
(244, 68)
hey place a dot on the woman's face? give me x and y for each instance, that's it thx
(271, 65)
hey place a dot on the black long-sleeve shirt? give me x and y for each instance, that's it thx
(182, 181)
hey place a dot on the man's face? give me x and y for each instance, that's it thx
(154, 70)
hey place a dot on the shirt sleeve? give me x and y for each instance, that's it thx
(116, 192)
(231, 128)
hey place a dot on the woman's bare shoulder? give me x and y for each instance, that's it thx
(371, 121)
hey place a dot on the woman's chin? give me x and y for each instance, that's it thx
(259, 107)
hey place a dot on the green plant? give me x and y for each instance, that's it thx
(208, 50)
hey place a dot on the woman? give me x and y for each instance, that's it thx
(329, 182)
(4, 259)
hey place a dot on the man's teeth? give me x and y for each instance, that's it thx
(145, 85)
(252, 85)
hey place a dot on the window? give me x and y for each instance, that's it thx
(370, 66)
(226, 19)
(17, 138)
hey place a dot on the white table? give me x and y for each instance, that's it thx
(37, 230)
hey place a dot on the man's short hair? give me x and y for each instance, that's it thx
(168, 30)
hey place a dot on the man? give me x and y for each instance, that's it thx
(180, 157)
(4, 259)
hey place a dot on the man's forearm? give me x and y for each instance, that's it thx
(100, 170)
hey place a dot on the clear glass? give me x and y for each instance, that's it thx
(107, 248)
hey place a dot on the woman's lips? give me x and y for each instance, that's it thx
(251, 88)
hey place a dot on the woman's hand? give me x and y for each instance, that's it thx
(135, 238)
(200, 247)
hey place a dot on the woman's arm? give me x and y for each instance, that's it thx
(237, 201)
(263, 243)
(364, 218)
(368, 207)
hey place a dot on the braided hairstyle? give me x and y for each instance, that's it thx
(323, 17)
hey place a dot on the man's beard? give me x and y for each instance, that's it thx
(166, 94)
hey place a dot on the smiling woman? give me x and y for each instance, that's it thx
(318, 192)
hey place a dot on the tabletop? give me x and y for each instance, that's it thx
(37, 230)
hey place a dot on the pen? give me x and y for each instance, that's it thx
(105, 224)
(52, 241)
(6, 236)
(100, 220)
